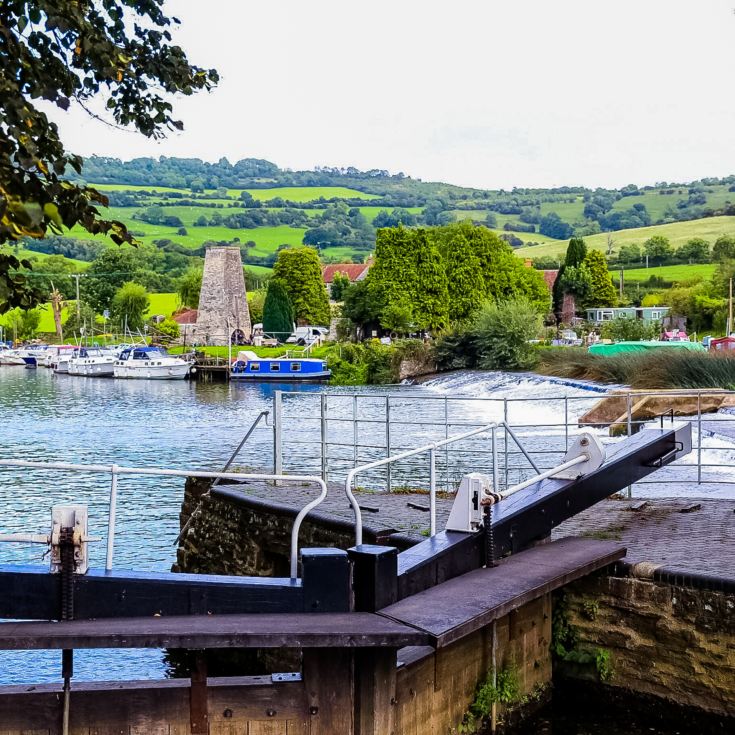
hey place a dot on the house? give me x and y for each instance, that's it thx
(647, 313)
(353, 271)
(186, 319)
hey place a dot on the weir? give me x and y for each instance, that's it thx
(382, 639)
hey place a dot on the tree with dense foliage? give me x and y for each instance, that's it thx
(576, 252)
(552, 225)
(278, 312)
(72, 52)
(657, 249)
(55, 272)
(724, 248)
(21, 324)
(629, 254)
(431, 300)
(465, 283)
(504, 275)
(393, 279)
(189, 287)
(256, 304)
(340, 282)
(129, 305)
(694, 250)
(576, 281)
(601, 290)
(360, 310)
(502, 332)
(106, 275)
(300, 273)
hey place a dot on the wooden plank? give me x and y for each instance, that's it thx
(465, 604)
(329, 682)
(375, 691)
(267, 727)
(158, 707)
(304, 630)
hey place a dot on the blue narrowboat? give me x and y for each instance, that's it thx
(249, 366)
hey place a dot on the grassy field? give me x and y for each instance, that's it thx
(678, 233)
(673, 273)
(293, 193)
(304, 193)
(163, 303)
(40, 257)
(266, 239)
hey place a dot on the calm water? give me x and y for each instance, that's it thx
(177, 424)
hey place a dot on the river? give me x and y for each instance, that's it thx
(183, 424)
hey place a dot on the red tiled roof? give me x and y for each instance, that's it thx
(352, 270)
(186, 316)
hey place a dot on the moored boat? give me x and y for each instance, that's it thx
(92, 362)
(249, 366)
(32, 354)
(149, 363)
(57, 358)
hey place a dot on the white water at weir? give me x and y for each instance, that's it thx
(539, 405)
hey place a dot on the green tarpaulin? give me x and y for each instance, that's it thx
(620, 347)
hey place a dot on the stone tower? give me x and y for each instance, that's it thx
(223, 303)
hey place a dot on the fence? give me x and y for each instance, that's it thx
(331, 433)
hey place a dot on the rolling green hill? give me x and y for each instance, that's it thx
(710, 228)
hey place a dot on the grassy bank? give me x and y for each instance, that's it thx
(656, 369)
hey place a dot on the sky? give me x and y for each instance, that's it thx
(484, 93)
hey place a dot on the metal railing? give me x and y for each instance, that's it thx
(333, 432)
(431, 449)
(115, 471)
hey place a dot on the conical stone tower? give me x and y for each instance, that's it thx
(223, 302)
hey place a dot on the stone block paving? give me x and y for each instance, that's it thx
(694, 536)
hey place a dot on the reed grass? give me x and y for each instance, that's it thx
(657, 369)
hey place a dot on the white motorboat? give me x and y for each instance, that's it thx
(92, 362)
(150, 363)
(32, 354)
(11, 357)
(57, 358)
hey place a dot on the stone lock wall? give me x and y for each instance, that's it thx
(244, 536)
(670, 641)
(437, 692)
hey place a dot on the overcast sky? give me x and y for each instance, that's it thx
(485, 93)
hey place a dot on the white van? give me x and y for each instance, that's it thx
(308, 336)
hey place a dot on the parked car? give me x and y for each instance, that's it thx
(307, 336)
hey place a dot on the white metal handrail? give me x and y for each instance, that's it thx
(391, 418)
(115, 470)
(431, 449)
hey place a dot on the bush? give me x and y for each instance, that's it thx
(502, 332)
(373, 363)
(166, 331)
(630, 330)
